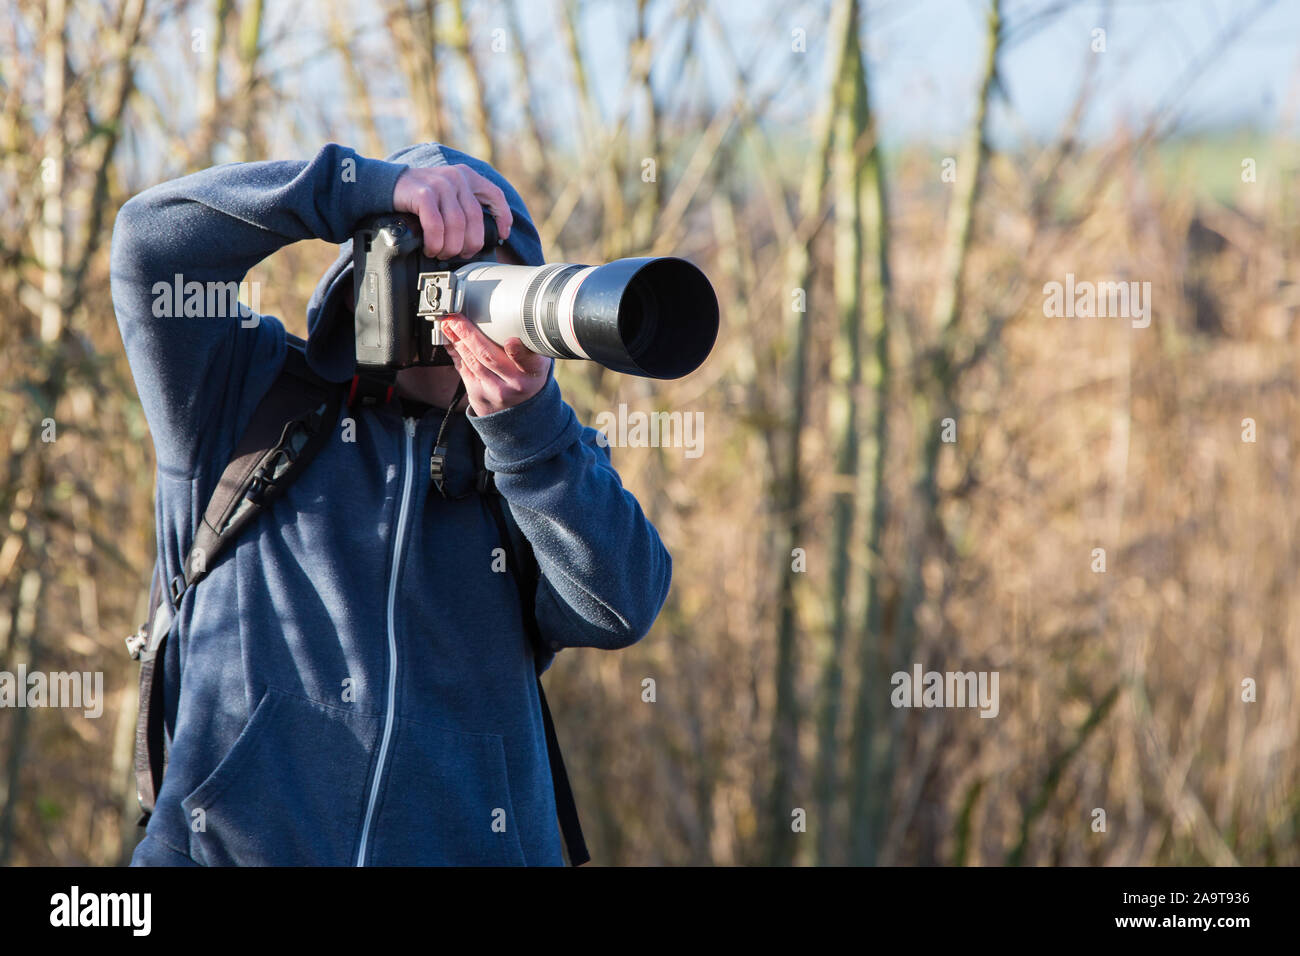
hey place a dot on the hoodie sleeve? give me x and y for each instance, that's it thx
(180, 250)
(604, 571)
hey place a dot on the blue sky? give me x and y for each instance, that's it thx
(925, 57)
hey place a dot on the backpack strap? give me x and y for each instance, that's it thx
(524, 573)
(290, 425)
(150, 752)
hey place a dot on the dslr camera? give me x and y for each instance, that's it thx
(656, 317)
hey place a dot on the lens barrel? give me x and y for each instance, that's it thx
(656, 316)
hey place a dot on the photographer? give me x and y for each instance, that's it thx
(353, 682)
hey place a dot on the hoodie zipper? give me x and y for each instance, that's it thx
(399, 539)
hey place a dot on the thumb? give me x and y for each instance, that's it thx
(528, 362)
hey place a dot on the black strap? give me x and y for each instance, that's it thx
(290, 425)
(565, 806)
(150, 753)
(438, 460)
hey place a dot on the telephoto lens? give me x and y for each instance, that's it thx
(655, 317)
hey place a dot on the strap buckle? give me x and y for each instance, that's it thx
(136, 642)
(176, 588)
(264, 479)
(438, 468)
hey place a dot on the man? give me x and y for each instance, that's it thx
(352, 683)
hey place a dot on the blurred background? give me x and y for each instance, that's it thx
(905, 457)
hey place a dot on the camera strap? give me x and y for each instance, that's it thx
(369, 388)
(291, 424)
(438, 460)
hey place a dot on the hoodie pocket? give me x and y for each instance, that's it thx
(290, 790)
(446, 801)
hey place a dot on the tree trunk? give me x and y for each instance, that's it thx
(480, 131)
(54, 166)
(789, 494)
(844, 396)
(250, 41)
(210, 111)
(933, 402)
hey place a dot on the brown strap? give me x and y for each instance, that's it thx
(290, 425)
(150, 752)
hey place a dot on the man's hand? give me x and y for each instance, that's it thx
(449, 201)
(495, 377)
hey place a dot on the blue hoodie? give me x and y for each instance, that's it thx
(352, 683)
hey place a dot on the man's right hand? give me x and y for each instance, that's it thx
(449, 201)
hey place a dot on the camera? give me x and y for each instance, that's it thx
(655, 317)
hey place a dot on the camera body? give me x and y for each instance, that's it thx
(401, 294)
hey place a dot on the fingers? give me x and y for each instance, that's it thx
(483, 356)
(489, 194)
(449, 201)
(495, 377)
(514, 350)
(485, 390)
(472, 211)
(528, 362)
(467, 375)
(425, 205)
(454, 221)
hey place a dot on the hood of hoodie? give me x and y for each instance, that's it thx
(331, 345)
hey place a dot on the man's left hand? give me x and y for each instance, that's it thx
(496, 377)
